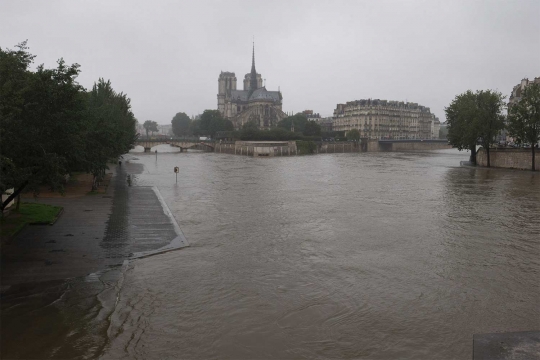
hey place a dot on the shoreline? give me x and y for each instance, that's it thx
(85, 239)
(75, 269)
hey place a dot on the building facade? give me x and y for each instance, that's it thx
(383, 119)
(515, 96)
(252, 104)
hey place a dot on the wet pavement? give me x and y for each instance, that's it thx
(60, 283)
(94, 232)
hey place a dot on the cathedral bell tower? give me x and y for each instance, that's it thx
(226, 83)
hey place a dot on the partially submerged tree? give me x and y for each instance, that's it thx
(490, 105)
(462, 125)
(474, 118)
(524, 119)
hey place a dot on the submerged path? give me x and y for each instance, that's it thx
(59, 283)
(94, 232)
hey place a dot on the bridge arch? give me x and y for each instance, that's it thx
(183, 144)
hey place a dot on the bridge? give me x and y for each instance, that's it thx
(182, 143)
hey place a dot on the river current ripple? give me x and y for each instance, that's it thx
(373, 255)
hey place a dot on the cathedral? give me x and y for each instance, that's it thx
(254, 103)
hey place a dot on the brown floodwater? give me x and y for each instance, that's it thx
(374, 255)
(342, 256)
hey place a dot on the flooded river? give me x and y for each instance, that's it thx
(342, 256)
(374, 255)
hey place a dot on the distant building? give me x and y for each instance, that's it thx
(383, 119)
(326, 124)
(165, 129)
(515, 97)
(253, 104)
(310, 115)
(435, 127)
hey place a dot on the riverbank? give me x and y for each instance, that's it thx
(293, 148)
(96, 230)
(59, 283)
(508, 158)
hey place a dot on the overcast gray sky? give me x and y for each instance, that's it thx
(167, 55)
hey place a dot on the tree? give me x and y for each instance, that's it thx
(41, 118)
(524, 119)
(250, 125)
(298, 122)
(150, 125)
(312, 129)
(195, 127)
(443, 132)
(490, 105)
(180, 124)
(109, 129)
(474, 118)
(353, 135)
(212, 122)
(51, 126)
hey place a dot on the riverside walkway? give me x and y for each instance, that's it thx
(93, 233)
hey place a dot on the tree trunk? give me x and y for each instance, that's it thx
(12, 196)
(533, 168)
(18, 206)
(488, 159)
(94, 183)
(472, 159)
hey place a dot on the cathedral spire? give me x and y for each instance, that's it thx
(253, 76)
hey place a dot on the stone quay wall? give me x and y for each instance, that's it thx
(419, 146)
(253, 149)
(508, 158)
(271, 149)
(338, 147)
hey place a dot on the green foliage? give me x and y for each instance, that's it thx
(333, 135)
(212, 122)
(274, 134)
(299, 121)
(109, 128)
(475, 118)
(29, 213)
(524, 118)
(312, 129)
(150, 126)
(353, 135)
(443, 133)
(306, 147)
(490, 106)
(461, 116)
(50, 126)
(250, 125)
(181, 124)
(40, 120)
(195, 127)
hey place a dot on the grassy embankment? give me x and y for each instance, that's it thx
(29, 213)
